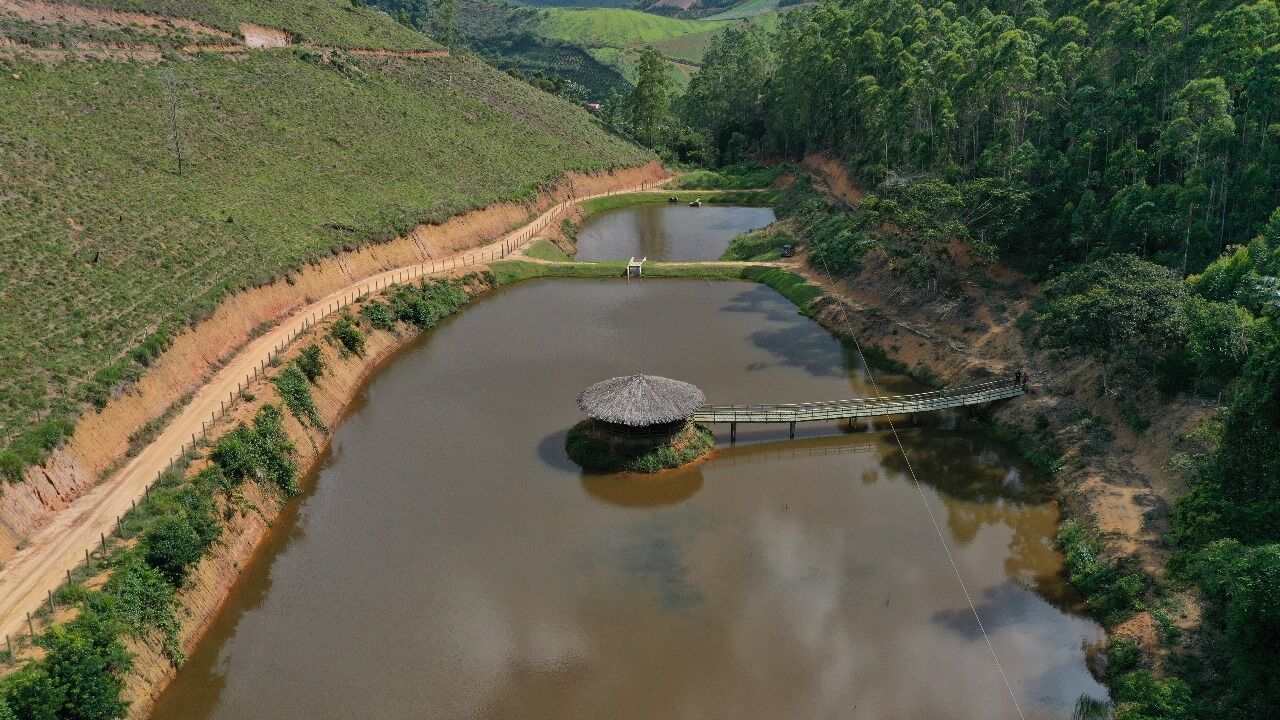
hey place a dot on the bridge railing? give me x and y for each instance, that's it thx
(861, 407)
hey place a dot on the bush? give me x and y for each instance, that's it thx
(348, 334)
(311, 362)
(379, 316)
(1139, 696)
(1123, 655)
(423, 305)
(262, 452)
(151, 348)
(80, 677)
(172, 546)
(1111, 593)
(141, 599)
(595, 451)
(294, 389)
(32, 446)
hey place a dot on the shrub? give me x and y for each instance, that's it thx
(261, 452)
(139, 596)
(348, 334)
(295, 391)
(1139, 696)
(379, 316)
(595, 451)
(80, 677)
(172, 546)
(424, 304)
(1123, 655)
(151, 348)
(311, 362)
(1111, 593)
(32, 446)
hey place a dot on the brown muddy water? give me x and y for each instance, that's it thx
(450, 562)
(666, 231)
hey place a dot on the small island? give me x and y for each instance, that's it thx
(638, 423)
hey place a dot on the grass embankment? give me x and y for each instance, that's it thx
(158, 544)
(612, 33)
(508, 272)
(599, 452)
(788, 284)
(108, 249)
(544, 249)
(334, 23)
(731, 177)
(710, 197)
(761, 245)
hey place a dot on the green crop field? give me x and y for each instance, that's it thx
(336, 23)
(614, 36)
(287, 157)
(618, 28)
(506, 35)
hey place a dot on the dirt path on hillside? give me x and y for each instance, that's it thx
(41, 566)
(252, 37)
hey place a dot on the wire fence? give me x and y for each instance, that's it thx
(498, 251)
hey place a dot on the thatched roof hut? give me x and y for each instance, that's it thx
(640, 401)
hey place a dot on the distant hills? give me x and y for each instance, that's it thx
(595, 46)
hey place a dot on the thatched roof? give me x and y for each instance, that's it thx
(640, 400)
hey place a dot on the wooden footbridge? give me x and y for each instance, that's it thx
(857, 407)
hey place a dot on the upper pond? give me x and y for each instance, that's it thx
(449, 562)
(666, 231)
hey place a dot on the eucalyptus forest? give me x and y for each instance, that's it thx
(1124, 152)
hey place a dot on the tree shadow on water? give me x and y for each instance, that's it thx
(761, 300)
(633, 490)
(807, 347)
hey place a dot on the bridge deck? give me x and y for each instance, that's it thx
(860, 407)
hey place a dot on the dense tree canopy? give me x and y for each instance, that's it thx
(1128, 151)
(1134, 126)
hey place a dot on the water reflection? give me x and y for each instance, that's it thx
(636, 490)
(662, 231)
(450, 562)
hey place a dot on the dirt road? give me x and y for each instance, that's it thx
(41, 566)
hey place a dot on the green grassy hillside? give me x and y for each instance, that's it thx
(287, 157)
(506, 34)
(613, 35)
(337, 23)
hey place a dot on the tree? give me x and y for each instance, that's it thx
(726, 96)
(1241, 581)
(172, 547)
(311, 362)
(86, 662)
(649, 104)
(444, 20)
(1114, 308)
